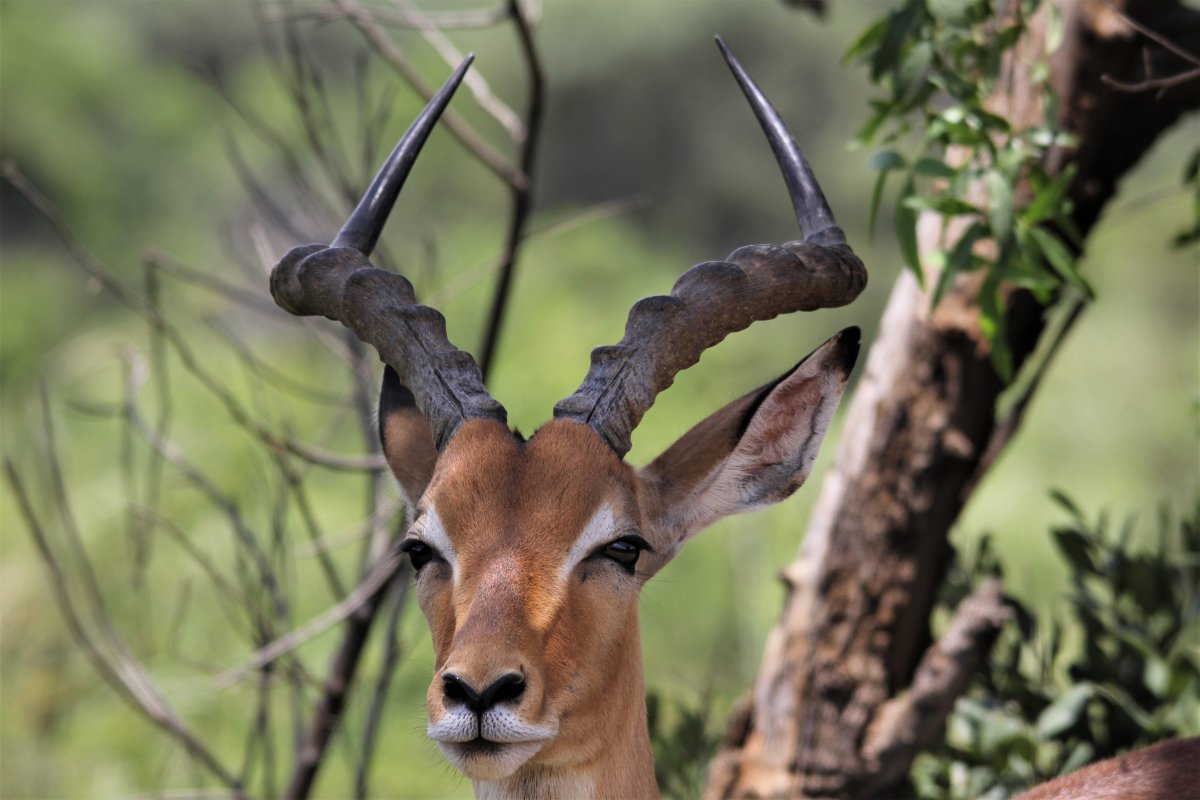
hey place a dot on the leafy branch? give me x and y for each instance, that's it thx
(1003, 211)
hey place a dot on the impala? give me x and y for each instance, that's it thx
(530, 554)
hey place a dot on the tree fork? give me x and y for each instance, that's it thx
(920, 430)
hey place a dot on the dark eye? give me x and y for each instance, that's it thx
(625, 551)
(419, 553)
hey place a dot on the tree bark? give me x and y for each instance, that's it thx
(835, 710)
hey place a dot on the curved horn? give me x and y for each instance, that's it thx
(362, 229)
(339, 283)
(668, 333)
(812, 210)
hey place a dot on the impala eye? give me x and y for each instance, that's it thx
(625, 551)
(419, 553)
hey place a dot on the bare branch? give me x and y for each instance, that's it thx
(1151, 84)
(522, 199)
(378, 701)
(474, 81)
(381, 43)
(140, 306)
(906, 725)
(1153, 36)
(124, 674)
(366, 592)
(341, 677)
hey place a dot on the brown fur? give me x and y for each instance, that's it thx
(1165, 771)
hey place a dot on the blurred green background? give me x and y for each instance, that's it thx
(105, 106)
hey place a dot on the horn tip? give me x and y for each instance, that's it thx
(461, 69)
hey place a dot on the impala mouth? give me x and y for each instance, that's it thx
(488, 746)
(487, 760)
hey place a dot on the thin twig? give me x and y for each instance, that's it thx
(178, 342)
(1154, 36)
(474, 80)
(400, 18)
(162, 262)
(384, 511)
(1152, 83)
(522, 195)
(378, 702)
(125, 675)
(355, 601)
(337, 687)
(364, 21)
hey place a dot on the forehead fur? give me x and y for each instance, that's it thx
(491, 487)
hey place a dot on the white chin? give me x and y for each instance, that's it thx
(488, 761)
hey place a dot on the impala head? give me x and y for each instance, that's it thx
(530, 554)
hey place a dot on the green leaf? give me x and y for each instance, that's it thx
(934, 168)
(1191, 170)
(1055, 27)
(988, 121)
(958, 260)
(867, 41)
(887, 54)
(886, 160)
(1082, 753)
(876, 199)
(1077, 549)
(866, 134)
(1122, 700)
(909, 79)
(944, 204)
(1061, 259)
(1061, 499)
(1000, 203)
(1065, 711)
(1156, 674)
(906, 231)
(991, 323)
(949, 11)
(1046, 204)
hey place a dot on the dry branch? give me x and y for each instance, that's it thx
(910, 723)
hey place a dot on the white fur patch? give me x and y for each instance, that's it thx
(598, 530)
(430, 530)
(517, 741)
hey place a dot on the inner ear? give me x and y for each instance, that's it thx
(406, 438)
(753, 452)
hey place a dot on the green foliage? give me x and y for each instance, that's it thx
(684, 739)
(1191, 180)
(1118, 668)
(1001, 210)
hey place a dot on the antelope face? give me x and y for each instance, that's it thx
(527, 558)
(530, 556)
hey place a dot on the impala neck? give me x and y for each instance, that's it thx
(619, 762)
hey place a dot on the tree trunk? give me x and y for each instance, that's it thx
(847, 693)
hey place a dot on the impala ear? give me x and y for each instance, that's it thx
(406, 438)
(753, 452)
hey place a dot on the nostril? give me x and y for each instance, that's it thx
(457, 690)
(504, 689)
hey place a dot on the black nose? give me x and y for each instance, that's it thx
(507, 687)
